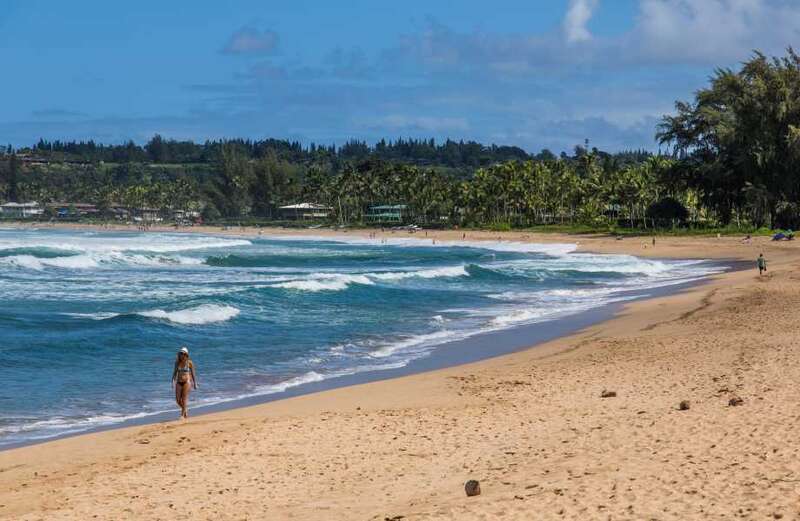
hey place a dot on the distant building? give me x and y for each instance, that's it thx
(66, 210)
(119, 212)
(147, 215)
(389, 214)
(305, 212)
(186, 216)
(21, 210)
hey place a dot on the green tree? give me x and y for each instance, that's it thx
(739, 141)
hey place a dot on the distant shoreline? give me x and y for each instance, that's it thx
(596, 242)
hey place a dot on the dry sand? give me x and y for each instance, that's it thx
(531, 427)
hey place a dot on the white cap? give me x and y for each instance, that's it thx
(184, 350)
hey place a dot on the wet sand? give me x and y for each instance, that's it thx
(531, 426)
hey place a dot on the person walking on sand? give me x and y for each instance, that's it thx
(762, 264)
(183, 376)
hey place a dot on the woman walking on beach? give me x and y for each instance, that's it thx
(182, 377)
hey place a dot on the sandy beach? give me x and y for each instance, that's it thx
(532, 426)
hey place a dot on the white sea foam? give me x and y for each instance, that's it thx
(325, 282)
(311, 377)
(39, 263)
(448, 271)
(152, 243)
(203, 314)
(74, 262)
(199, 315)
(307, 378)
(23, 261)
(340, 281)
(95, 260)
(152, 260)
(59, 425)
(420, 341)
(519, 316)
(102, 315)
(554, 249)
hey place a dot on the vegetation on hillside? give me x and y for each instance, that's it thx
(733, 154)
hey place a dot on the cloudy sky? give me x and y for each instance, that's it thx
(537, 74)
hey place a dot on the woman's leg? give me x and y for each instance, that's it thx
(185, 399)
(178, 393)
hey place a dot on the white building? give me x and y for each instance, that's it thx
(305, 211)
(21, 210)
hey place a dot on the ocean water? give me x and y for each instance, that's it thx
(90, 321)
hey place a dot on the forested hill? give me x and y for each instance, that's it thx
(453, 154)
(734, 157)
(464, 156)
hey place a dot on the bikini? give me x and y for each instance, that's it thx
(185, 370)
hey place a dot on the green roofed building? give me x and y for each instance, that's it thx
(392, 213)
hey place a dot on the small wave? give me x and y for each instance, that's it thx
(23, 261)
(32, 262)
(449, 271)
(269, 256)
(156, 260)
(614, 263)
(61, 425)
(93, 260)
(103, 243)
(419, 341)
(307, 378)
(341, 281)
(561, 294)
(94, 316)
(523, 315)
(320, 282)
(203, 314)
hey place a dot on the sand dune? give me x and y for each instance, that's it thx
(532, 427)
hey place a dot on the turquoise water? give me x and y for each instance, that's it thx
(90, 322)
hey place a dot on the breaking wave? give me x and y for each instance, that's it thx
(202, 314)
(341, 281)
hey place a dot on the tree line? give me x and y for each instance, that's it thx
(590, 187)
(732, 159)
(449, 153)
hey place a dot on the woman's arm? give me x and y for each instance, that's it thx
(194, 377)
(174, 372)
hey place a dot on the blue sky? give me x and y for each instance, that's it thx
(530, 73)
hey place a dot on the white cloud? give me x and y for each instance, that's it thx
(249, 40)
(400, 122)
(706, 33)
(712, 31)
(576, 20)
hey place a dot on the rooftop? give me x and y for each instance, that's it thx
(20, 205)
(305, 206)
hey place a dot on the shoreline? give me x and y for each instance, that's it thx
(449, 354)
(446, 355)
(688, 247)
(417, 394)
